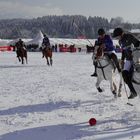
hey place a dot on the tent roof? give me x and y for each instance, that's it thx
(37, 40)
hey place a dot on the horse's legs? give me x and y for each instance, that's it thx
(114, 90)
(113, 87)
(26, 60)
(120, 86)
(47, 61)
(19, 59)
(51, 61)
(22, 59)
(98, 85)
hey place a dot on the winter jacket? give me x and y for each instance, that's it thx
(20, 44)
(107, 41)
(46, 42)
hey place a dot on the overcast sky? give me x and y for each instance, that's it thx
(129, 10)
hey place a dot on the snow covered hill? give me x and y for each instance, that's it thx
(38, 102)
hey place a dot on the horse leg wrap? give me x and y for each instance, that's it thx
(114, 93)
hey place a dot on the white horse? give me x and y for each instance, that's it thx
(136, 59)
(105, 70)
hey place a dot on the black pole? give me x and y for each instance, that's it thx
(73, 23)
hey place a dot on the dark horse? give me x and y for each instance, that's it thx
(48, 55)
(21, 54)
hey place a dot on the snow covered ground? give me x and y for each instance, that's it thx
(38, 102)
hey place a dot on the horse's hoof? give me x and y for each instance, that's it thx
(99, 89)
(119, 95)
(114, 93)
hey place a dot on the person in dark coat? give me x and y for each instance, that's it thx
(45, 44)
(19, 46)
(127, 42)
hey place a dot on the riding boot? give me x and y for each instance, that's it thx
(132, 90)
(115, 60)
(132, 95)
(128, 80)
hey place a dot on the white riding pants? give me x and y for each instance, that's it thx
(127, 65)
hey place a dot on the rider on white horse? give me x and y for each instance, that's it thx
(126, 41)
(106, 42)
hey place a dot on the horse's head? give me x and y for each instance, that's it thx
(99, 51)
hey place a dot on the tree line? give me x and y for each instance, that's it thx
(60, 26)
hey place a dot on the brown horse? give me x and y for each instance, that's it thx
(21, 54)
(48, 55)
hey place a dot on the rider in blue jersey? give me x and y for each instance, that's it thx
(106, 42)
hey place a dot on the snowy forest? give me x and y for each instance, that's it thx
(60, 26)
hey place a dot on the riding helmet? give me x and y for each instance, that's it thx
(45, 35)
(96, 43)
(117, 32)
(101, 31)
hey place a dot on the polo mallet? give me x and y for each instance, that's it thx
(73, 23)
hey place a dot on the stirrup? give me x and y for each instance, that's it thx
(94, 74)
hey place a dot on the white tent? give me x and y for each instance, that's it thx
(13, 42)
(4, 42)
(37, 40)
